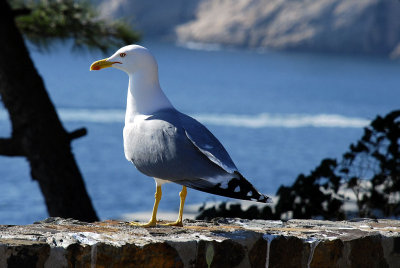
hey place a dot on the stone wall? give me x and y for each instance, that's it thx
(57, 242)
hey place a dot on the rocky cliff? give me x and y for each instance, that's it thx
(151, 17)
(350, 26)
(345, 26)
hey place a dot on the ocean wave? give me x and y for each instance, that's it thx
(262, 120)
(92, 115)
(279, 120)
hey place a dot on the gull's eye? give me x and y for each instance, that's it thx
(122, 55)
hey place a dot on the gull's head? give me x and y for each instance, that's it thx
(130, 59)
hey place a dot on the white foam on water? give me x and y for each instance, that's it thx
(279, 120)
(262, 120)
(92, 115)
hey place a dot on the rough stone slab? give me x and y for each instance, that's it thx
(57, 242)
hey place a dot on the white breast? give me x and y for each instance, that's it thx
(130, 129)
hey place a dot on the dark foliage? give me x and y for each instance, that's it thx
(315, 195)
(368, 174)
(235, 211)
(44, 21)
(372, 168)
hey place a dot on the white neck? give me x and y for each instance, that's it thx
(145, 95)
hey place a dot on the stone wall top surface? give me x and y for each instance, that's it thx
(57, 242)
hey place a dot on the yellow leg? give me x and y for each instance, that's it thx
(153, 220)
(178, 222)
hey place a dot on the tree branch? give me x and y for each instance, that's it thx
(21, 11)
(10, 147)
(77, 133)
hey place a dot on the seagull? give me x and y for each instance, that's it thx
(168, 145)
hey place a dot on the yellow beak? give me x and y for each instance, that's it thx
(101, 64)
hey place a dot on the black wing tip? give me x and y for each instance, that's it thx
(256, 196)
(240, 188)
(237, 187)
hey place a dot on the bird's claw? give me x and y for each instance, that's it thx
(149, 224)
(176, 223)
(154, 223)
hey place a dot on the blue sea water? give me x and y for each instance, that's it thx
(278, 114)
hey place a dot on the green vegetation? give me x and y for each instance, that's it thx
(44, 21)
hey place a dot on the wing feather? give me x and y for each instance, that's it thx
(207, 143)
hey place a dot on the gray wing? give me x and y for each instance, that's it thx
(175, 147)
(233, 184)
(159, 147)
(207, 143)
